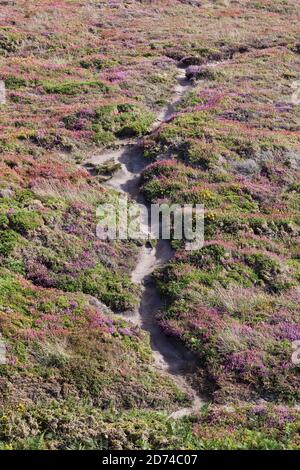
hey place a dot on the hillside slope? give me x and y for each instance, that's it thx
(85, 76)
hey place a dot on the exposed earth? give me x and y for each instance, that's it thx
(118, 344)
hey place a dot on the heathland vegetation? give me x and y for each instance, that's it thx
(83, 76)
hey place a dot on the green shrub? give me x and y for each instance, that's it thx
(25, 221)
(110, 288)
(103, 137)
(8, 240)
(265, 267)
(135, 124)
(123, 120)
(14, 83)
(3, 221)
(203, 154)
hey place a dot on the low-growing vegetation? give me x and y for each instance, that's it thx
(87, 76)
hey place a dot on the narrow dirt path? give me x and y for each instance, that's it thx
(170, 356)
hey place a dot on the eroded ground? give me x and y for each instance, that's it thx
(78, 79)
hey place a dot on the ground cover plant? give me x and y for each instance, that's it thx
(84, 76)
(233, 145)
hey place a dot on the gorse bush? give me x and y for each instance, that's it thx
(66, 426)
(8, 240)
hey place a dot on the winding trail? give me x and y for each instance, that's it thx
(170, 356)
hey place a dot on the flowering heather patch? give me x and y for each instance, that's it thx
(248, 427)
(48, 231)
(233, 150)
(238, 313)
(87, 65)
(80, 76)
(61, 346)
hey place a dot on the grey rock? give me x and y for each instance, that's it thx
(100, 305)
(247, 167)
(6, 192)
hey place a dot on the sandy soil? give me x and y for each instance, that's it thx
(170, 356)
